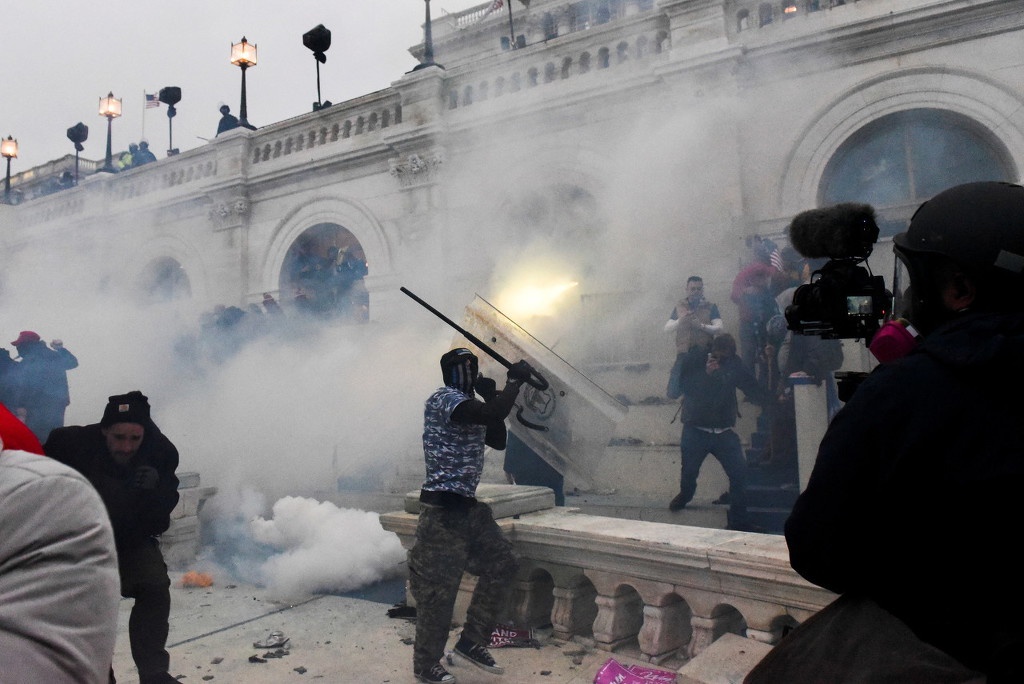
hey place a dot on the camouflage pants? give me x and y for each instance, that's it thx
(448, 542)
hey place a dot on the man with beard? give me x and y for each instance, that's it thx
(695, 321)
(131, 464)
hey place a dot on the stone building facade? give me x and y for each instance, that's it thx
(623, 144)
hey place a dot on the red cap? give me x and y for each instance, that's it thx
(14, 434)
(25, 336)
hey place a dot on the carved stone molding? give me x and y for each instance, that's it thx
(416, 168)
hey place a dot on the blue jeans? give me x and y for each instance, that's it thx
(694, 446)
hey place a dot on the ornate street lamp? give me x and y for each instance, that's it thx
(318, 39)
(78, 134)
(110, 107)
(9, 150)
(243, 56)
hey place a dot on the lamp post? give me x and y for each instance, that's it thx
(428, 43)
(243, 56)
(78, 134)
(110, 107)
(170, 96)
(318, 39)
(9, 150)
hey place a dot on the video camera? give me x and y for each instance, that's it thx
(843, 298)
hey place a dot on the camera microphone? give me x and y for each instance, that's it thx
(842, 231)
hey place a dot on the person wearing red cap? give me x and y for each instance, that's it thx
(38, 383)
(58, 572)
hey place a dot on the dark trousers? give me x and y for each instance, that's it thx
(695, 445)
(144, 578)
(448, 542)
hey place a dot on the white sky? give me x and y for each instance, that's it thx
(61, 57)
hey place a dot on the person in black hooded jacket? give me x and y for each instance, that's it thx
(913, 502)
(132, 466)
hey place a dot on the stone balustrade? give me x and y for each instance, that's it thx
(656, 588)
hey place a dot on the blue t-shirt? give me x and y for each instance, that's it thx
(453, 452)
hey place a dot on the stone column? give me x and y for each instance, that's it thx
(811, 407)
(572, 610)
(618, 619)
(707, 629)
(665, 630)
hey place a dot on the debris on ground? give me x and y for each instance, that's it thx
(275, 639)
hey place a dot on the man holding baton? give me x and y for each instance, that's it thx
(457, 533)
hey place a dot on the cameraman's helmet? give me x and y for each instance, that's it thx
(459, 369)
(976, 226)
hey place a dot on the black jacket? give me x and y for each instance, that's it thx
(915, 496)
(709, 400)
(137, 515)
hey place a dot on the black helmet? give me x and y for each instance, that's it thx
(979, 227)
(459, 369)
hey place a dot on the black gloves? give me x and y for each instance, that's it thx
(145, 477)
(485, 387)
(519, 371)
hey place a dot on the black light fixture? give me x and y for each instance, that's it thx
(78, 134)
(110, 107)
(243, 56)
(318, 39)
(170, 96)
(9, 151)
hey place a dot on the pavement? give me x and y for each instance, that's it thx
(347, 639)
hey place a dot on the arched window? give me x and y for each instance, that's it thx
(765, 14)
(566, 67)
(322, 275)
(641, 47)
(898, 161)
(531, 77)
(621, 52)
(550, 72)
(602, 58)
(467, 96)
(743, 20)
(549, 26)
(164, 280)
(661, 42)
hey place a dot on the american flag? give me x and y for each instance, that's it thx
(776, 259)
(152, 100)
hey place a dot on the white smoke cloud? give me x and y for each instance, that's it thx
(321, 547)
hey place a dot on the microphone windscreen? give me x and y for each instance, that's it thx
(841, 231)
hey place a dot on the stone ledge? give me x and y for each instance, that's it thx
(505, 500)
